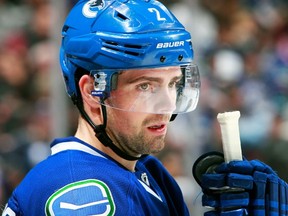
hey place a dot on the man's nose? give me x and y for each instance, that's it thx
(165, 101)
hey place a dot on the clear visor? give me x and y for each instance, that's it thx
(166, 90)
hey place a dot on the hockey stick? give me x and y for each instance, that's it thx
(230, 135)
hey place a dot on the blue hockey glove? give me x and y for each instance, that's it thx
(240, 188)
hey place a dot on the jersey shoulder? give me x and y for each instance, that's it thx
(73, 175)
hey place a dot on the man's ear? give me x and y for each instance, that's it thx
(91, 103)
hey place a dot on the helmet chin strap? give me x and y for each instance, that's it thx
(102, 136)
(100, 131)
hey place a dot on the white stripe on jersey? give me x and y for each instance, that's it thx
(149, 190)
(59, 147)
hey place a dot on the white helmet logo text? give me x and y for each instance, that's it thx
(91, 8)
(170, 44)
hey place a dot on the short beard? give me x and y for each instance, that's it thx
(139, 145)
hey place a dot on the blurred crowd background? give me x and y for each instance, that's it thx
(241, 48)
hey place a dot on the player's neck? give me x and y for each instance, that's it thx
(85, 132)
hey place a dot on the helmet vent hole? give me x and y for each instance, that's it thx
(65, 28)
(132, 53)
(132, 46)
(129, 49)
(121, 16)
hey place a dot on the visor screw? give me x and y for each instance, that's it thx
(180, 57)
(162, 59)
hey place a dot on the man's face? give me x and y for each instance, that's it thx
(147, 99)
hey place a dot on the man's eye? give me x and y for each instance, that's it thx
(144, 86)
(173, 84)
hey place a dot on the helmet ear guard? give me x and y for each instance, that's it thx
(68, 73)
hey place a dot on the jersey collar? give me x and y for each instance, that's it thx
(73, 143)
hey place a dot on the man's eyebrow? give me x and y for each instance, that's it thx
(177, 78)
(153, 79)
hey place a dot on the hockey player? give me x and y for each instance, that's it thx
(127, 66)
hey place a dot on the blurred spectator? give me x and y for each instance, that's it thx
(25, 60)
(243, 67)
(275, 147)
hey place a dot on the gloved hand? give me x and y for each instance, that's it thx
(240, 188)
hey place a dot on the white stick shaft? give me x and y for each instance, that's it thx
(229, 126)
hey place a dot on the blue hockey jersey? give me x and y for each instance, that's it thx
(77, 179)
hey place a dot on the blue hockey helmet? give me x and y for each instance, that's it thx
(107, 37)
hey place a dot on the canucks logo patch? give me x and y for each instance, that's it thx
(91, 8)
(88, 197)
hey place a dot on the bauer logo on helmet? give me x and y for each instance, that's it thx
(170, 44)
